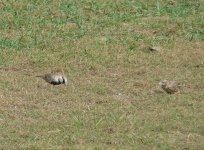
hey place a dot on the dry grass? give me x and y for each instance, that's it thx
(113, 100)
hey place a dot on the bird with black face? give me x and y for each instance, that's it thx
(54, 78)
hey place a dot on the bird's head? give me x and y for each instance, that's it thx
(163, 82)
(65, 80)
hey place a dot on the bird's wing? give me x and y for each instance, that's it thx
(173, 86)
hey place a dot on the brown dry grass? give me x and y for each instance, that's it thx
(113, 100)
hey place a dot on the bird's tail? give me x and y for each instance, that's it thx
(39, 76)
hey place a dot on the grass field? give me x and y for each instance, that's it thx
(113, 100)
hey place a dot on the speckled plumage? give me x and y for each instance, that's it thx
(170, 87)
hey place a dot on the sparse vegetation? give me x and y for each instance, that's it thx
(113, 100)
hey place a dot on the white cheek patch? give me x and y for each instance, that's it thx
(65, 80)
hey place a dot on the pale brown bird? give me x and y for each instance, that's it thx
(54, 78)
(170, 87)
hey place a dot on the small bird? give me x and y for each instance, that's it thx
(170, 87)
(54, 78)
(154, 49)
